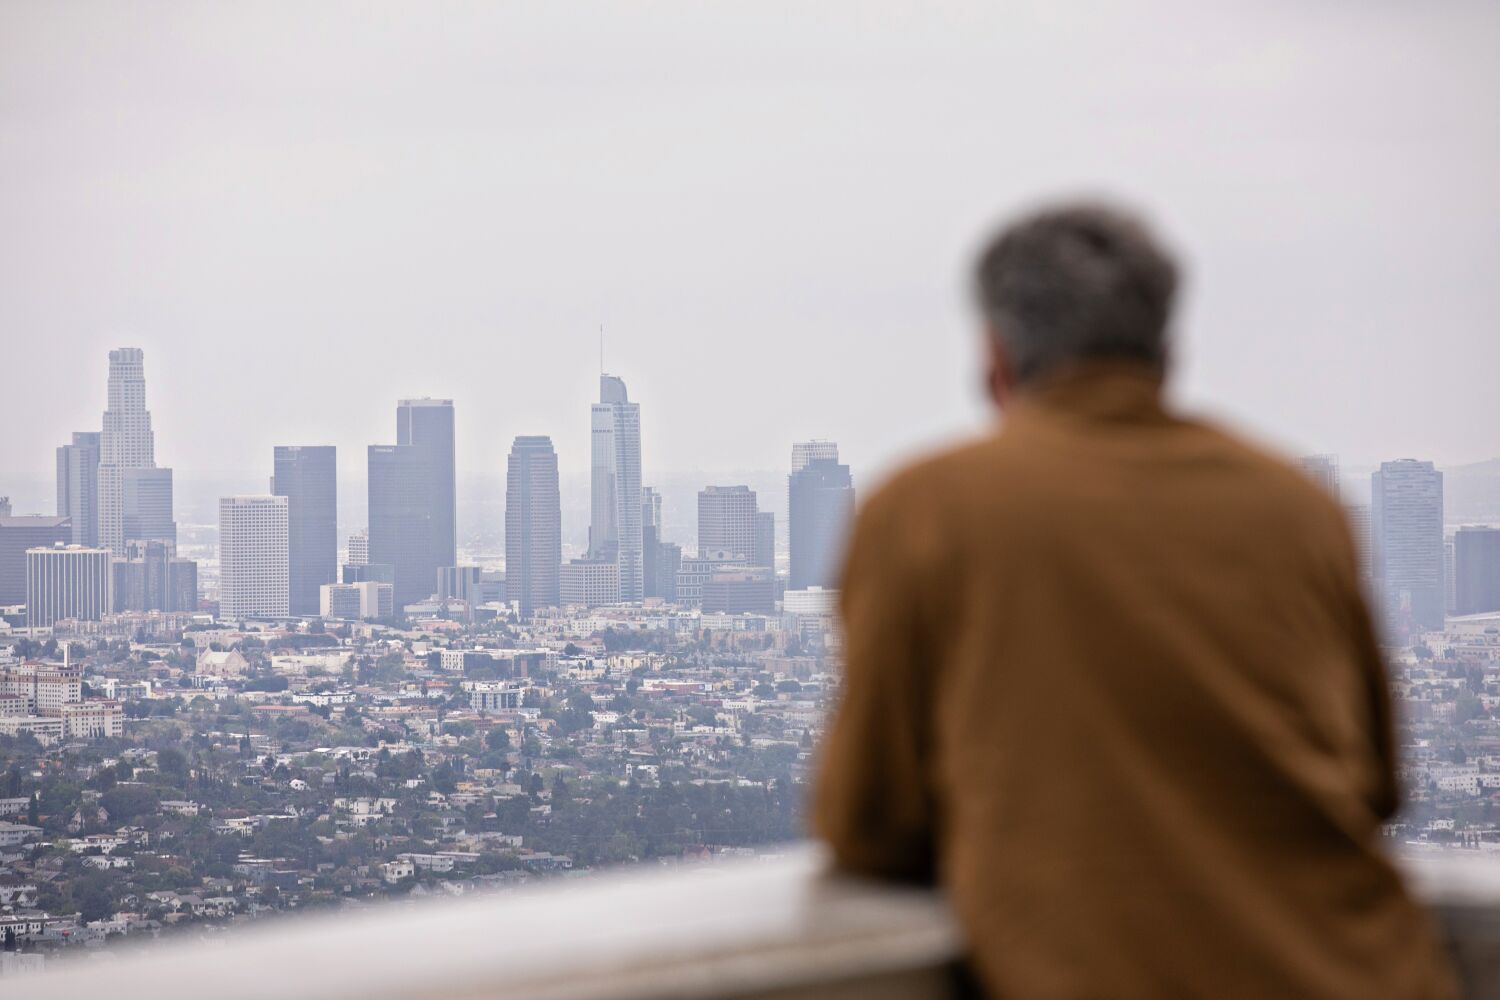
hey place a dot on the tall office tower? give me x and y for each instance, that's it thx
(1406, 521)
(427, 424)
(4, 506)
(615, 529)
(763, 550)
(1323, 470)
(359, 549)
(413, 517)
(147, 505)
(401, 521)
(78, 486)
(650, 543)
(805, 451)
(308, 477)
(253, 557)
(533, 525)
(726, 520)
(66, 581)
(1476, 552)
(820, 501)
(17, 534)
(126, 442)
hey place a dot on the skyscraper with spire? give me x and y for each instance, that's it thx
(126, 449)
(615, 530)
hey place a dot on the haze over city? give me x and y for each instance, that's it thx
(773, 226)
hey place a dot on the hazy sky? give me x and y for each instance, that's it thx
(303, 212)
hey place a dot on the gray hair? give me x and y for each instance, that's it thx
(1076, 281)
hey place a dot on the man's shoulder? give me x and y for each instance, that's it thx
(1272, 480)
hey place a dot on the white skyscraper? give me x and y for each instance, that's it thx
(615, 522)
(66, 581)
(126, 443)
(253, 571)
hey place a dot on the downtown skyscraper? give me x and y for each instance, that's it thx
(78, 486)
(533, 525)
(253, 557)
(820, 502)
(615, 529)
(307, 477)
(412, 499)
(1406, 522)
(127, 452)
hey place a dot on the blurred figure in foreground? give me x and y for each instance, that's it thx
(1111, 680)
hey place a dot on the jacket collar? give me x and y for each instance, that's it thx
(1108, 390)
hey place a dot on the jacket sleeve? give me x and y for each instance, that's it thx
(873, 801)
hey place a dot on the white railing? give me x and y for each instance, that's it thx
(769, 927)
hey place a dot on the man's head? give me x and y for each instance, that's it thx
(1069, 283)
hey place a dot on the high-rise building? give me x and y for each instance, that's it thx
(66, 581)
(18, 533)
(401, 521)
(820, 501)
(307, 475)
(126, 442)
(533, 525)
(359, 549)
(804, 452)
(589, 583)
(726, 520)
(427, 424)
(78, 486)
(152, 578)
(1476, 556)
(763, 550)
(1406, 521)
(413, 514)
(147, 505)
(615, 529)
(1323, 470)
(253, 570)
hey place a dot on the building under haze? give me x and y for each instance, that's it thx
(126, 443)
(307, 475)
(589, 583)
(727, 520)
(1323, 470)
(67, 581)
(78, 486)
(1476, 570)
(412, 499)
(1406, 524)
(253, 572)
(615, 530)
(533, 525)
(152, 578)
(147, 505)
(820, 505)
(18, 533)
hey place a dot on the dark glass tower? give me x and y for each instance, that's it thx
(821, 502)
(308, 478)
(533, 525)
(78, 486)
(401, 528)
(427, 424)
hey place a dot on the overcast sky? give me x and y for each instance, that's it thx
(303, 212)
